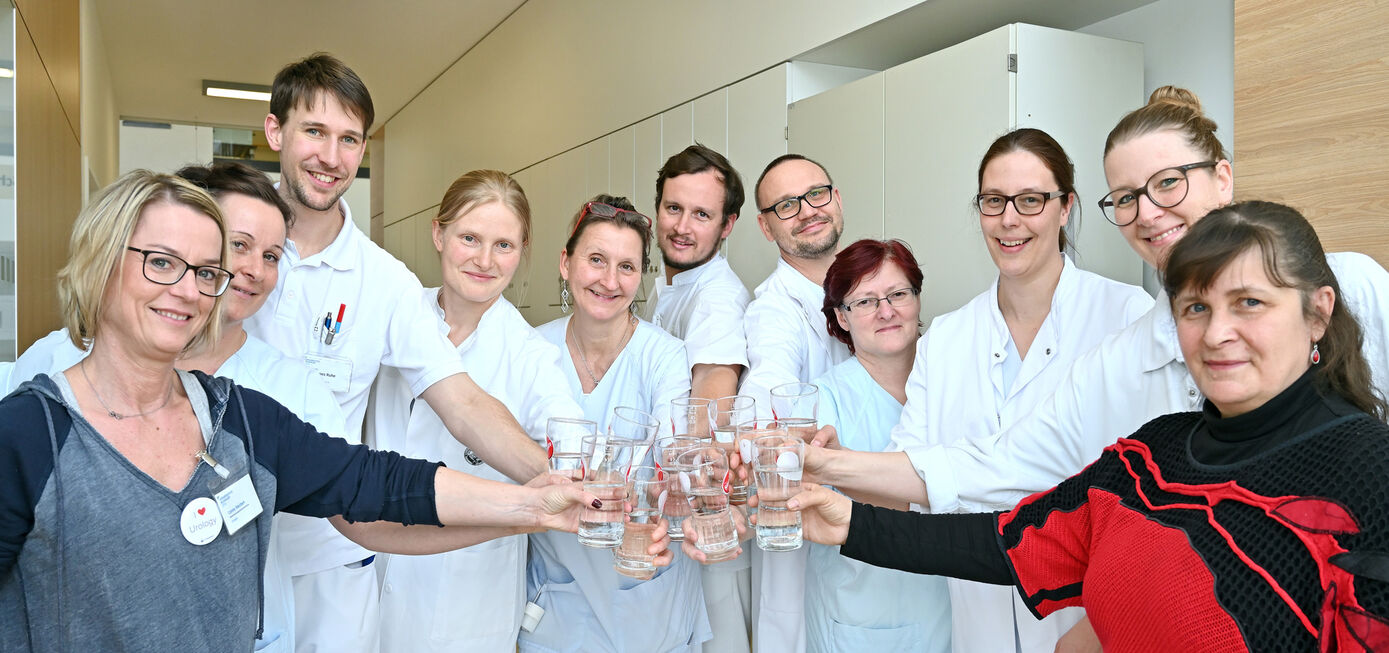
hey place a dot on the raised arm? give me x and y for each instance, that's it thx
(482, 423)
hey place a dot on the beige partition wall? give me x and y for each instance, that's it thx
(48, 168)
(1311, 126)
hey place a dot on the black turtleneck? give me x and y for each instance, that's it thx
(1296, 411)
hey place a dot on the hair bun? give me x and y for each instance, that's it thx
(1176, 96)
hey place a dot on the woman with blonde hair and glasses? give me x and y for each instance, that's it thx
(471, 598)
(613, 359)
(138, 514)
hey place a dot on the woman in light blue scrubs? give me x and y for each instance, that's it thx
(612, 358)
(872, 301)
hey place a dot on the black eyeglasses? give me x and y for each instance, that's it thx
(1024, 203)
(166, 269)
(895, 298)
(791, 206)
(1165, 189)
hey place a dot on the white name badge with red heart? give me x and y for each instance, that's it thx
(201, 521)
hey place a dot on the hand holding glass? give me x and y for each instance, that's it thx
(706, 479)
(777, 464)
(606, 460)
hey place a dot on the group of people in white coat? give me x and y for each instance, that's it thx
(1007, 395)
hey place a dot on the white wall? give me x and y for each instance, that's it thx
(1186, 43)
(559, 73)
(167, 150)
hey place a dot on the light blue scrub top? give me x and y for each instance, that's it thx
(588, 606)
(849, 605)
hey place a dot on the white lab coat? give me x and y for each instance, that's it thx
(788, 342)
(957, 390)
(1133, 376)
(851, 605)
(588, 605)
(296, 541)
(705, 307)
(470, 598)
(382, 324)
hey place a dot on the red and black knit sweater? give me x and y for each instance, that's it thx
(1282, 544)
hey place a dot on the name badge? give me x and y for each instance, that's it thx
(238, 503)
(334, 371)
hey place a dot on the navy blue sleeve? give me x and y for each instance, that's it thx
(320, 476)
(26, 464)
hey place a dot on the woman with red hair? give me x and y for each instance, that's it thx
(872, 300)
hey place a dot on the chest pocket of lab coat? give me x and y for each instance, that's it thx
(481, 594)
(910, 637)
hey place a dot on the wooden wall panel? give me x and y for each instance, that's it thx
(54, 27)
(48, 172)
(1311, 129)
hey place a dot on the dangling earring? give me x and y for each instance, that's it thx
(1316, 355)
(632, 308)
(564, 296)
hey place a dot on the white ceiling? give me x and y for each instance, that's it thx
(159, 51)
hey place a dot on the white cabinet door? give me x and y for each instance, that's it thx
(1076, 87)
(710, 121)
(843, 130)
(556, 189)
(677, 132)
(943, 110)
(756, 135)
(622, 153)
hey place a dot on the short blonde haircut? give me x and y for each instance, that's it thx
(99, 238)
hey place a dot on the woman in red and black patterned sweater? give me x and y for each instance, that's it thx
(1260, 523)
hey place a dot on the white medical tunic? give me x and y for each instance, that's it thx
(471, 598)
(1130, 378)
(588, 605)
(851, 605)
(705, 307)
(382, 324)
(297, 543)
(958, 389)
(788, 342)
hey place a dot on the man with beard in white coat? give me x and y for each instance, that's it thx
(800, 210)
(698, 194)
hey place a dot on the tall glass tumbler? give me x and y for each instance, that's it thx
(646, 497)
(566, 434)
(746, 433)
(677, 508)
(705, 478)
(795, 400)
(606, 460)
(729, 412)
(691, 416)
(640, 427)
(777, 461)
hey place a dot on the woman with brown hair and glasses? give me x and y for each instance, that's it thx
(614, 359)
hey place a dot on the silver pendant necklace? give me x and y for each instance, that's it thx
(580, 348)
(113, 414)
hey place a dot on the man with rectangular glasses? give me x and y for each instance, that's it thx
(800, 210)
